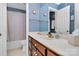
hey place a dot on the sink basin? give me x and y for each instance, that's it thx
(74, 40)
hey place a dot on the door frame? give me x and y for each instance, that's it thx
(54, 10)
(4, 29)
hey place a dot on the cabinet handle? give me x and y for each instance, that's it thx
(35, 44)
(36, 54)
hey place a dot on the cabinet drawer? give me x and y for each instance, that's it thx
(38, 53)
(34, 42)
(39, 46)
(34, 53)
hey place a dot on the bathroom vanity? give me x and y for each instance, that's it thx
(41, 45)
(38, 49)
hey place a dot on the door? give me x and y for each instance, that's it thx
(3, 30)
(63, 20)
(76, 16)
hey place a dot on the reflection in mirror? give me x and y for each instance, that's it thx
(59, 20)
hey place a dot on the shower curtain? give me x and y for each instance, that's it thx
(16, 26)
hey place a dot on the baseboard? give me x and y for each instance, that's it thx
(16, 44)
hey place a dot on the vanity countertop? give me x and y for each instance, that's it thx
(60, 46)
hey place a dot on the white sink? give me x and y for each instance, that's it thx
(74, 40)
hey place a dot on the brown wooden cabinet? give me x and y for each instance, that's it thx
(38, 49)
(38, 46)
(50, 53)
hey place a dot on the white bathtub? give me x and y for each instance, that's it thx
(18, 44)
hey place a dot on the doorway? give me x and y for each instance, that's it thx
(52, 21)
(52, 14)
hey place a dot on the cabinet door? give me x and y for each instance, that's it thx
(3, 30)
(41, 48)
(49, 53)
